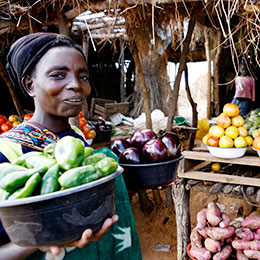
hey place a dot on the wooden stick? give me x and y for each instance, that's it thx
(224, 178)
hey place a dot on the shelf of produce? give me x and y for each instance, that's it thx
(216, 177)
(190, 168)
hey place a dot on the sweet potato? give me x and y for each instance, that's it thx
(218, 233)
(225, 220)
(245, 234)
(200, 253)
(254, 254)
(213, 214)
(240, 255)
(212, 245)
(202, 219)
(255, 245)
(256, 236)
(252, 222)
(241, 245)
(224, 253)
(196, 238)
(203, 232)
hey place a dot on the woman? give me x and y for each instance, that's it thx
(52, 70)
(245, 91)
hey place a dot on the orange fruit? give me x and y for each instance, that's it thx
(217, 131)
(226, 141)
(237, 121)
(242, 131)
(223, 120)
(240, 141)
(231, 110)
(256, 143)
(232, 131)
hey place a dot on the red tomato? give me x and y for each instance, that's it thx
(85, 129)
(82, 122)
(13, 118)
(81, 115)
(5, 127)
(3, 119)
(212, 141)
(27, 117)
(91, 134)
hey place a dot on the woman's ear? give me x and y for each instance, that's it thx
(27, 83)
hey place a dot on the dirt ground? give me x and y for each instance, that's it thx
(157, 230)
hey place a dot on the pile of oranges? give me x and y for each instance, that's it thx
(88, 132)
(229, 130)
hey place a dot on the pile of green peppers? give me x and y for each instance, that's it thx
(62, 165)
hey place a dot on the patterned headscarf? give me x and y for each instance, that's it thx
(28, 50)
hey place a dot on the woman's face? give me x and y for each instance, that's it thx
(60, 82)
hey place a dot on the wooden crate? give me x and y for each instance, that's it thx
(106, 108)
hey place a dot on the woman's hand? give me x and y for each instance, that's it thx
(86, 237)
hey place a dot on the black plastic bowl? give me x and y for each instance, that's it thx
(151, 175)
(59, 217)
(102, 136)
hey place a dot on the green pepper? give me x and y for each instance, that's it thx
(39, 160)
(108, 153)
(93, 177)
(28, 188)
(49, 149)
(50, 180)
(69, 152)
(4, 194)
(6, 168)
(107, 166)
(76, 176)
(88, 151)
(21, 160)
(15, 180)
(93, 159)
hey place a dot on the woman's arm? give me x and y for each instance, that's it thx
(12, 251)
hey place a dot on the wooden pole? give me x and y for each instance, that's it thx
(194, 111)
(122, 75)
(216, 73)
(208, 57)
(181, 199)
(173, 100)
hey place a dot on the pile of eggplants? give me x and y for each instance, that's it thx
(144, 146)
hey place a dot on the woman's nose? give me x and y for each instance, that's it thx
(74, 83)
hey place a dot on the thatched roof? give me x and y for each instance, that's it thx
(238, 20)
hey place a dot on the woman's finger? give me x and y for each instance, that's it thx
(105, 227)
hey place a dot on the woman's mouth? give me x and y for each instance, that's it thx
(74, 101)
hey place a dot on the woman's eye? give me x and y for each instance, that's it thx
(57, 75)
(84, 77)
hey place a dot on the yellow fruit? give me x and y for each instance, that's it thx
(232, 131)
(242, 131)
(216, 167)
(216, 131)
(231, 110)
(203, 128)
(256, 143)
(226, 141)
(249, 140)
(237, 121)
(223, 120)
(205, 137)
(240, 142)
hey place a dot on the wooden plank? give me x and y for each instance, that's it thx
(219, 177)
(206, 156)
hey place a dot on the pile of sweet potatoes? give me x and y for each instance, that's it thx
(247, 239)
(215, 238)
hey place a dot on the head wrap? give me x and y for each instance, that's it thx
(28, 50)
